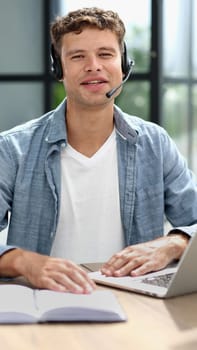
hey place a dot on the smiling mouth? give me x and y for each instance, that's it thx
(94, 82)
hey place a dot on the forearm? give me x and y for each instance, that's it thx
(10, 263)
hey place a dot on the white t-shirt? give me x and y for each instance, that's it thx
(89, 227)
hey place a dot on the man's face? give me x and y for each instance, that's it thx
(91, 64)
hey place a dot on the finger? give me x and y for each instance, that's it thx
(82, 279)
(133, 264)
(51, 284)
(147, 267)
(63, 275)
(119, 260)
(115, 263)
(79, 275)
(62, 282)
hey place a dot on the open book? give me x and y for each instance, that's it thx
(21, 304)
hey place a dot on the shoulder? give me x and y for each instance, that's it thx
(16, 142)
(27, 128)
(144, 129)
(48, 127)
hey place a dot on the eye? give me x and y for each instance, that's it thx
(77, 57)
(106, 54)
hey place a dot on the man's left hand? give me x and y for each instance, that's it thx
(136, 260)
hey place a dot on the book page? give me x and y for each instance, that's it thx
(16, 304)
(97, 306)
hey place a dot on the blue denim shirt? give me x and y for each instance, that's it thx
(153, 180)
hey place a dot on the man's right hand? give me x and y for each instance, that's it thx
(46, 272)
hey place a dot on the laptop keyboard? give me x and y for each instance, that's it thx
(161, 280)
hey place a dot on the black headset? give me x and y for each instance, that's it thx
(56, 66)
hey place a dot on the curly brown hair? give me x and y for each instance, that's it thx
(76, 21)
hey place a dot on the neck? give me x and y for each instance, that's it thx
(87, 130)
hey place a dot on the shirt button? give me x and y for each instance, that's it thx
(52, 234)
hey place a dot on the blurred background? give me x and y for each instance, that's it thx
(161, 37)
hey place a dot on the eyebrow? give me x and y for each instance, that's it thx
(73, 52)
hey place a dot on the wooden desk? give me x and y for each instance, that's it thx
(152, 325)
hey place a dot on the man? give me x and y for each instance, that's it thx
(86, 182)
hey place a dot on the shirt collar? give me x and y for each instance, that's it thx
(57, 129)
(123, 124)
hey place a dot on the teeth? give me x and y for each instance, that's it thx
(94, 82)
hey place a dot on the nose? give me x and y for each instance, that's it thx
(92, 64)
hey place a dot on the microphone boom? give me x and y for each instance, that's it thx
(113, 91)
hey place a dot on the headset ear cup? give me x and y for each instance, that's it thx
(125, 60)
(56, 66)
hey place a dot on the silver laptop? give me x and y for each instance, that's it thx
(169, 282)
